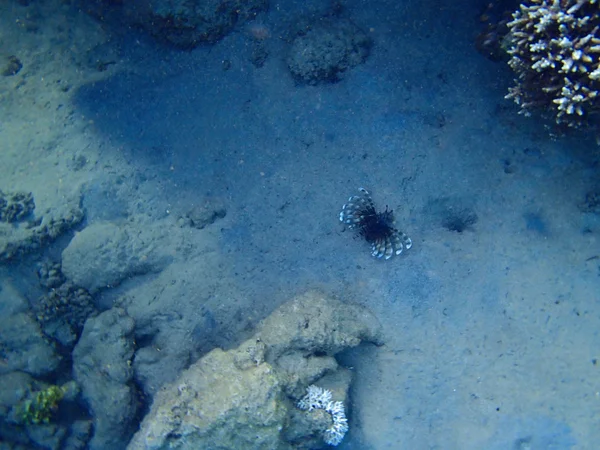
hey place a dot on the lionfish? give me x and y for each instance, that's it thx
(378, 229)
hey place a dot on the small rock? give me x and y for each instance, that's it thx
(207, 213)
(15, 206)
(12, 65)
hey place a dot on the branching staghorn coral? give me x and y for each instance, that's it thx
(555, 51)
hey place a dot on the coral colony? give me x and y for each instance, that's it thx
(377, 228)
(319, 398)
(555, 51)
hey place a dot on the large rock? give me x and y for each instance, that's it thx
(245, 398)
(102, 366)
(178, 314)
(214, 404)
(185, 23)
(104, 254)
(24, 346)
(324, 50)
(302, 336)
(314, 323)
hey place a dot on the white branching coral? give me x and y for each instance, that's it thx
(319, 398)
(555, 52)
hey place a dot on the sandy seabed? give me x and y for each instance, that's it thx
(491, 320)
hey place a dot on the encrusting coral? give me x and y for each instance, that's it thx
(555, 51)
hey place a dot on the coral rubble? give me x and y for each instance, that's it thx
(555, 51)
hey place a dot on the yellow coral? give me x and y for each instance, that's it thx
(41, 406)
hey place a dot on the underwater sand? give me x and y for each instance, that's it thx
(491, 331)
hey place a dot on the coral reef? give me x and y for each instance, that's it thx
(246, 397)
(555, 50)
(324, 50)
(378, 229)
